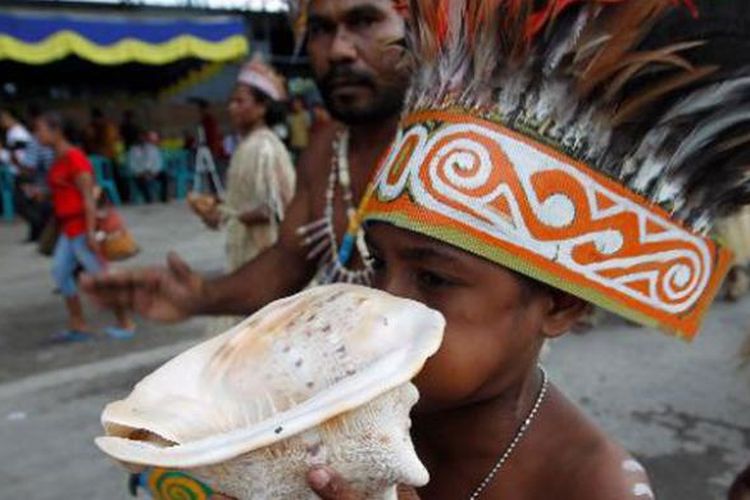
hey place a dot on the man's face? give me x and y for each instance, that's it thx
(355, 56)
(493, 321)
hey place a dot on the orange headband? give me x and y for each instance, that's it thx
(496, 193)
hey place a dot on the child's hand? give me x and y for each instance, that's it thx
(328, 485)
(212, 218)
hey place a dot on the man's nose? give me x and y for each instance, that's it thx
(343, 48)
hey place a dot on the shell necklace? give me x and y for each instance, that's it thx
(320, 235)
(517, 439)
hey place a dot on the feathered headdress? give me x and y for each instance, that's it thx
(559, 139)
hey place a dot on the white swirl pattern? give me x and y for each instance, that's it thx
(459, 165)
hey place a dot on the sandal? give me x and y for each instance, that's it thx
(117, 333)
(68, 336)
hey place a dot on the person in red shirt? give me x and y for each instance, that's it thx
(71, 183)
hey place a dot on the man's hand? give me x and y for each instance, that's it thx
(166, 294)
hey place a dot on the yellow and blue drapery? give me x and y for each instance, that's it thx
(44, 37)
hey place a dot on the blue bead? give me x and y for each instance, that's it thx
(345, 251)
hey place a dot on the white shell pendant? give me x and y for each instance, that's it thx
(318, 378)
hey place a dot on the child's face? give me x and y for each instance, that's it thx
(494, 322)
(244, 110)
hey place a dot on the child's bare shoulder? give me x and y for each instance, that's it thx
(590, 465)
(600, 469)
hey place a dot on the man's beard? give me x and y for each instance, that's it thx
(387, 99)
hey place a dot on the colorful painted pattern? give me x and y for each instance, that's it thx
(501, 195)
(165, 484)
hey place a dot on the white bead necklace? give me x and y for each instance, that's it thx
(320, 235)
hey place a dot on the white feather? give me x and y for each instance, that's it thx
(708, 98)
(705, 131)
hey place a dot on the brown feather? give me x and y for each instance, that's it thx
(735, 142)
(633, 106)
(632, 66)
(627, 24)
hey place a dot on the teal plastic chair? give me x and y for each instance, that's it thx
(7, 183)
(135, 196)
(104, 173)
(177, 163)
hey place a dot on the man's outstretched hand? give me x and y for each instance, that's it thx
(168, 294)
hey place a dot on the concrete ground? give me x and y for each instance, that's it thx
(683, 409)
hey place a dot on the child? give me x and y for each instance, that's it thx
(513, 196)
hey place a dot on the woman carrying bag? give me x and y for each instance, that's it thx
(71, 183)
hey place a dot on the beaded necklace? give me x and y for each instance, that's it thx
(320, 235)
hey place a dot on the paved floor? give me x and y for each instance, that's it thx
(683, 409)
(30, 312)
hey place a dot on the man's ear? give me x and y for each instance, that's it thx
(563, 313)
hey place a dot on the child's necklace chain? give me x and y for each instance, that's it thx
(517, 439)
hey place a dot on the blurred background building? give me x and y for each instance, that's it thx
(154, 56)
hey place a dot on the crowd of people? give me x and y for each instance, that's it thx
(134, 151)
(435, 226)
(50, 164)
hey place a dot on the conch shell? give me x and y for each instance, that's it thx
(318, 378)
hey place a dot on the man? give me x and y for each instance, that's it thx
(355, 55)
(28, 161)
(147, 167)
(16, 140)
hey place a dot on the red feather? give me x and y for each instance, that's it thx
(541, 18)
(689, 4)
(442, 21)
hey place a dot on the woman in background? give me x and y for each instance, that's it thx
(71, 184)
(261, 177)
